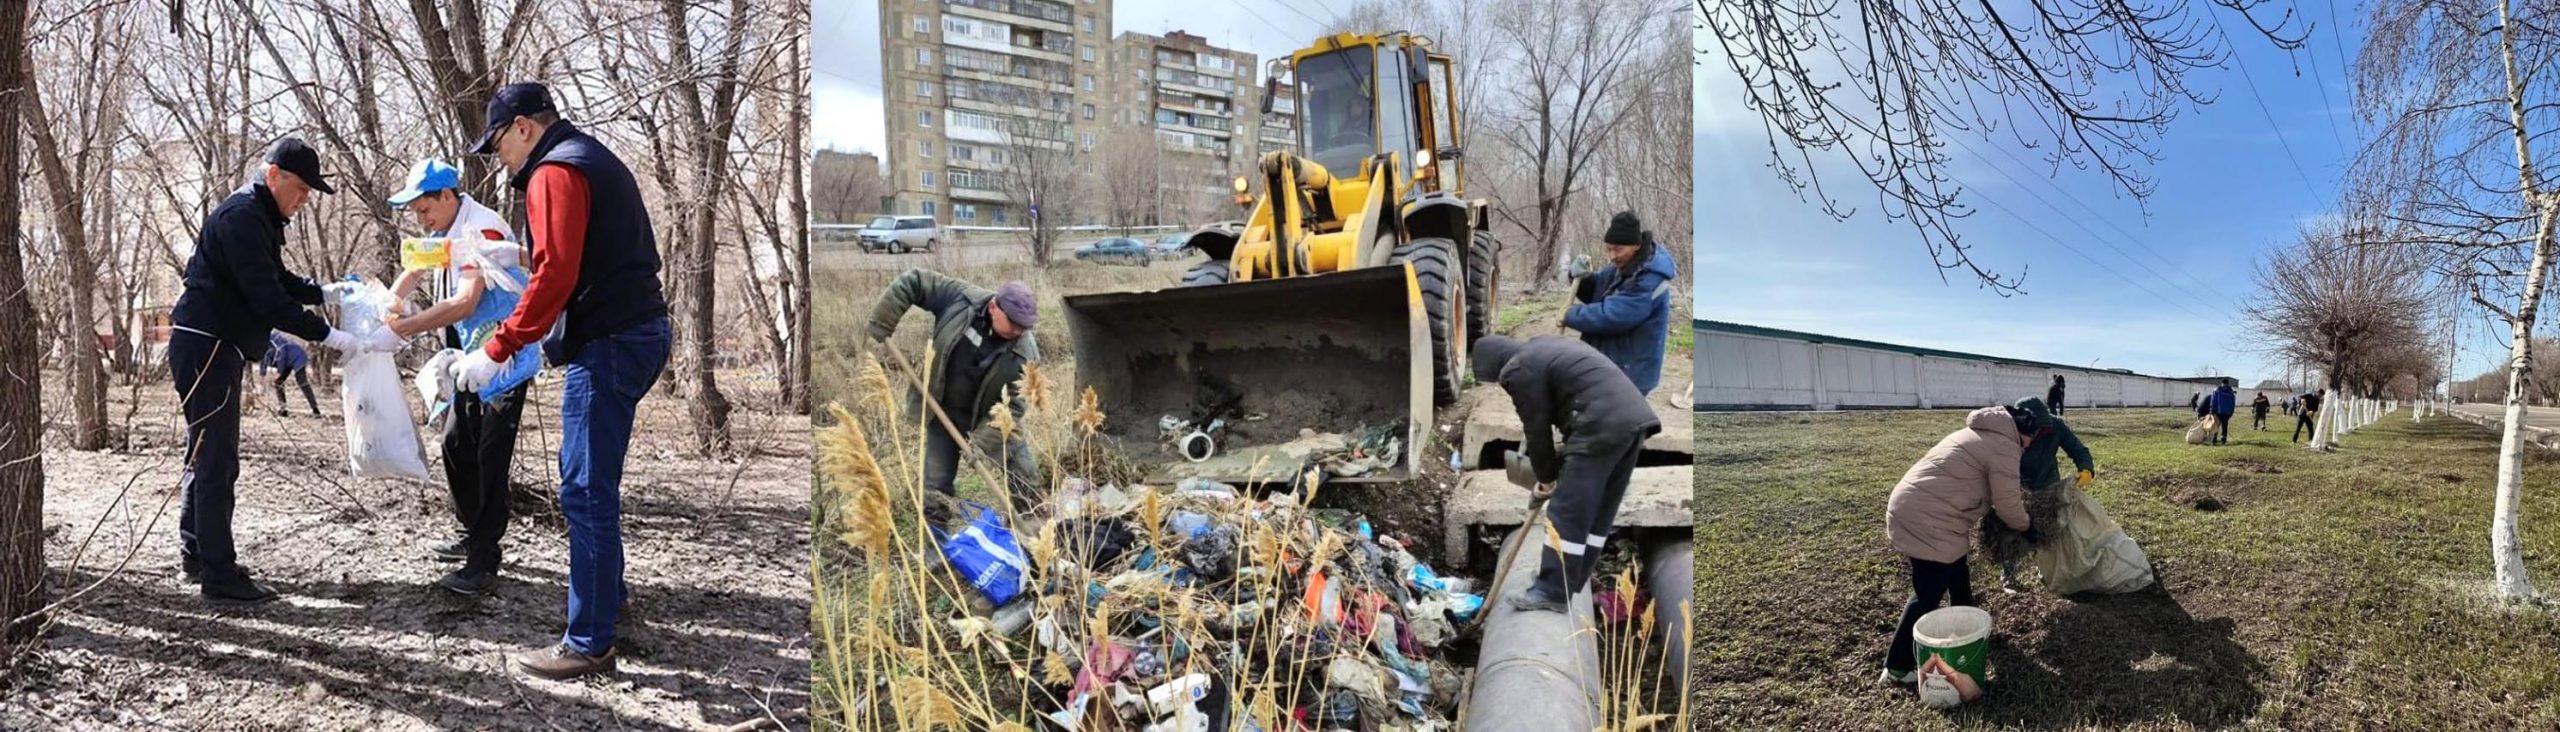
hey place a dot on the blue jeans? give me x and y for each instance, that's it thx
(597, 406)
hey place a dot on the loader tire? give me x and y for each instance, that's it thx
(1212, 272)
(1431, 271)
(1482, 250)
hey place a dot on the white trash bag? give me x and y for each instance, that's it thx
(2089, 552)
(382, 439)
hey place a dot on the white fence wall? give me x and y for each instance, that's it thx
(1753, 371)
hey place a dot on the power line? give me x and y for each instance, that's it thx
(2328, 110)
(2093, 213)
(2263, 110)
(2031, 224)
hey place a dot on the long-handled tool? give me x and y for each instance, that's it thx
(1520, 472)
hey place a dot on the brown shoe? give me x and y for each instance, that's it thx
(560, 663)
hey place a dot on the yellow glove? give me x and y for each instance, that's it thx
(2085, 477)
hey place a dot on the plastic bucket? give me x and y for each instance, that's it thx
(1961, 635)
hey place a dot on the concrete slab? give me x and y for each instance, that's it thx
(1495, 420)
(1657, 497)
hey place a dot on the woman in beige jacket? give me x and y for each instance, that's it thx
(1933, 512)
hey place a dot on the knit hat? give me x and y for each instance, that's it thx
(1014, 298)
(1625, 230)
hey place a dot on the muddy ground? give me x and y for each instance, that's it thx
(715, 636)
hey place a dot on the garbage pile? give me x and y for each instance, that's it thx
(1201, 608)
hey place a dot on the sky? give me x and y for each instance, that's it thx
(845, 106)
(2227, 193)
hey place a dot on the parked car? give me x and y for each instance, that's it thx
(1115, 250)
(1171, 246)
(901, 234)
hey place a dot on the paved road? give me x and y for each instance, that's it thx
(2547, 418)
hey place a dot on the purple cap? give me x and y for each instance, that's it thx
(1018, 304)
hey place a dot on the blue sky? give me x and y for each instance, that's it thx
(2227, 193)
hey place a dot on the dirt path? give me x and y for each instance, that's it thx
(715, 635)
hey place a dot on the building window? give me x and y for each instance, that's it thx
(924, 58)
(926, 177)
(924, 148)
(1088, 140)
(926, 207)
(1087, 52)
(922, 26)
(964, 212)
(1086, 22)
(1086, 83)
(999, 210)
(924, 118)
(924, 91)
(1088, 111)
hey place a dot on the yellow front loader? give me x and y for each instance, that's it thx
(1344, 300)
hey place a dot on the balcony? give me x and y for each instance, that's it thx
(1027, 13)
(1006, 108)
(978, 194)
(1046, 85)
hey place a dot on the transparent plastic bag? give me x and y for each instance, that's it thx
(382, 437)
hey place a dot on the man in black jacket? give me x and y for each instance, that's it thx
(1559, 384)
(236, 290)
(2053, 394)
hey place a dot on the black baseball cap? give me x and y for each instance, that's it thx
(511, 101)
(299, 159)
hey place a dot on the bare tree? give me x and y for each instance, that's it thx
(841, 191)
(1130, 166)
(1885, 85)
(72, 228)
(1575, 65)
(2344, 305)
(1045, 175)
(2457, 93)
(22, 589)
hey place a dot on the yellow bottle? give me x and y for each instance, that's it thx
(422, 253)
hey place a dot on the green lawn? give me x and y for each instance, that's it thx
(2337, 591)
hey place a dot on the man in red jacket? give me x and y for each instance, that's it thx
(595, 306)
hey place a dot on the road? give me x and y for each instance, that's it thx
(2543, 420)
(952, 255)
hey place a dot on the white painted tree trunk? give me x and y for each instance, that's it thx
(2505, 548)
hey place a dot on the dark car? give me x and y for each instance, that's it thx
(1115, 250)
(1171, 246)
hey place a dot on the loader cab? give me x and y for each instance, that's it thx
(1360, 96)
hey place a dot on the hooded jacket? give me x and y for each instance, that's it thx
(2036, 468)
(1630, 318)
(1933, 511)
(955, 306)
(1562, 385)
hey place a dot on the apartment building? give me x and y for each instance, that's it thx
(968, 81)
(1202, 101)
(1279, 129)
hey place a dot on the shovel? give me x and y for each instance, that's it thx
(1517, 469)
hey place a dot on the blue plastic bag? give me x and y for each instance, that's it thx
(986, 556)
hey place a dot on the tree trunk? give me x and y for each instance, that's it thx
(709, 408)
(2505, 548)
(795, 218)
(22, 588)
(88, 379)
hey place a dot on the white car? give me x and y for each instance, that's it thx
(900, 234)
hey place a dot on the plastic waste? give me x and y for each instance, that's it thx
(986, 555)
(382, 439)
(435, 386)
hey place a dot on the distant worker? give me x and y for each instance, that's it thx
(1931, 516)
(2258, 412)
(287, 358)
(1560, 385)
(1624, 310)
(2225, 402)
(981, 344)
(2037, 471)
(2307, 416)
(2053, 395)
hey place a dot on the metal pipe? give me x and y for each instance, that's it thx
(1536, 671)
(1669, 568)
(1198, 446)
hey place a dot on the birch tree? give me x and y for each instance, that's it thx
(2457, 93)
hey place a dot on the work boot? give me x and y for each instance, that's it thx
(468, 582)
(452, 551)
(242, 592)
(193, 568)
(561, 663)
(1535, 599)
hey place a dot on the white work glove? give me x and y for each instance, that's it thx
(343, 342)
(336, 293)
(383, 339)
(475, 369)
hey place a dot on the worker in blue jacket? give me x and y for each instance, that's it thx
(2224, 401)
(1624, 310)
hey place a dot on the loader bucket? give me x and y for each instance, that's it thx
(1332, 353)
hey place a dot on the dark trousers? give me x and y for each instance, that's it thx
(599, 399)
(2259, 420)
(207, 372)
(942, 464)
(1930, 581)
(2303, 423)
(479, 449)
(301, 375)
(1582, 513)
(2223, 424)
